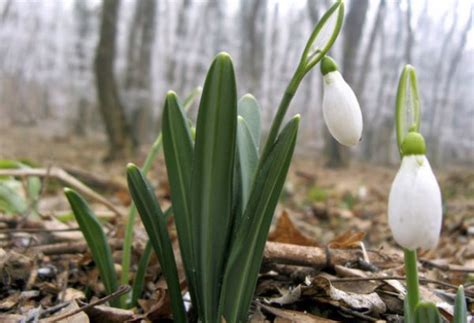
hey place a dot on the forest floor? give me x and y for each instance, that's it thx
(339, 214)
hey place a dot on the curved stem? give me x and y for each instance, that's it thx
(282, 108)
(413, 294)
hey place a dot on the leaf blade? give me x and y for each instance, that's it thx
(242, 268)
(156, 227)
(178, 151)
(211, 184)
(96, 241)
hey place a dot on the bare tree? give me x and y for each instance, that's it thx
(253, 15)
(111, 108)
(138, 76)
(441, 114)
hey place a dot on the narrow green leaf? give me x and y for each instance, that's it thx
(211, 184)
(178, 149)
(249, 109)
(246, 254)
(139, 280)
(96, 241)
(155, 224)
(427, 313)
(248, 158)
(460, 308)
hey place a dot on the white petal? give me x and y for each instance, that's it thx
(341, 110)
(414, 205)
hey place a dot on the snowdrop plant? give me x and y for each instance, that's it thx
(224, 186)
(341, 108)
(414, 205)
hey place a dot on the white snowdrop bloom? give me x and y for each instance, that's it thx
(341, 108)
(414, 205)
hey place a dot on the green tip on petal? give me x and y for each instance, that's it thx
(413, 144)
(328, 65)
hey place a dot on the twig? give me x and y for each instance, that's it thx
(320, 258)
(36, 230)
(68, 247)
(123, 289)
(455, 268)
(64, 177)
(423, 280)
(356, 314)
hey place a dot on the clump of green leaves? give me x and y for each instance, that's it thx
(224, 187)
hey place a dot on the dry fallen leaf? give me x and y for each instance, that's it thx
(284, 315)
(286, 232)
(368, 302)
(348, 239)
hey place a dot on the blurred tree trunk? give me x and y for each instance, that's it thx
(82, 16)
(437, 78)
(111, 108)
(372, 116)
(181, 28)
(352, 32)
(138, 77)
(410, 39)
(447, 102)
(382, 143)
(253, 15)
(369, 51)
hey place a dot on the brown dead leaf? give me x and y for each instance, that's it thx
(284, 315)
(286, 232)
(107, 314)
(347, 240)
(322, 288)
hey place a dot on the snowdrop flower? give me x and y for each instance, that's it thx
(414, 204)
(341, 109)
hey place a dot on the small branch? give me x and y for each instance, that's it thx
(66, 178)
(455, 268)
(36, 230)
(68, 248)
(319, 258)
(123, 289)
(401, 278)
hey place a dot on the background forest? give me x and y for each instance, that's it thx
(54, 54)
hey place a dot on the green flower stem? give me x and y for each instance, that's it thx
(411, 271)
(283, 108)
(310, 57)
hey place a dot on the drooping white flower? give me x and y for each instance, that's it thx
(414, 204)
(341, 108)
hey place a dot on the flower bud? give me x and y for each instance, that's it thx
(414, 205)
(341, 109)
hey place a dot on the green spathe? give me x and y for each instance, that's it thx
(413, 144)
(328, 65)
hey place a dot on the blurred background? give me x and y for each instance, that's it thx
(55, 54)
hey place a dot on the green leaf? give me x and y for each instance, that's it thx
(178, 149)
(246, 254)
(249, 109)
(460, 308)
(211, 184)
(96, 241)
(139, 281)
(155, 224)
(10, 200)
(427, 313)
(248, 158)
